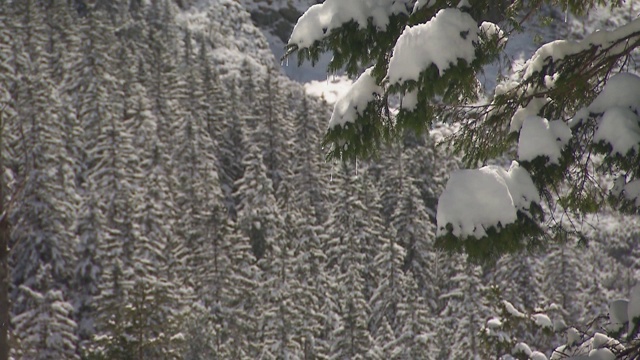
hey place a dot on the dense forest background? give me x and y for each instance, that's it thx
(169, 199)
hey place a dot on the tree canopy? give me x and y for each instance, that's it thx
(568, 117)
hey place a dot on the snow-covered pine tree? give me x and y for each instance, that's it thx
(518, 279)
(45, 215)
(92, 85)
(232, 148)
(238, 313)
(554, 95)
(163, 81)
(562, 273)
(390, 281)
(258, 215)
(309, 193)
(414, 229)
(63, 43)
(213, 103)
(351, 338)
(416, 333)
(385, 341)
(45, 328)
(280, 289)
(372, 233)
(274, 127)
(314, 296)
(90, 230)
(467, 309)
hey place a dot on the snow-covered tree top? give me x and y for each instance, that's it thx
(320, 19)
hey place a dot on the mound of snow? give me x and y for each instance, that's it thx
(619, 127)
(475, 200)
(621, 90)
(320, 19)
(449, 36)
(539, 137)
(355, 100)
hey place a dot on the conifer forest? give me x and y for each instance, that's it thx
(164, 194)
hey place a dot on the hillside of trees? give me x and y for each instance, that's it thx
(166, 196)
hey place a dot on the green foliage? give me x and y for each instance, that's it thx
(567, 84)
(525, 233)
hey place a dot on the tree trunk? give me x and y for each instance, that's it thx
(4, 279)
(4, 259)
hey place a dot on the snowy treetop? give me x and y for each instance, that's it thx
(320, 19)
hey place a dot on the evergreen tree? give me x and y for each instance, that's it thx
(562, 276)
(371, 232)
(391, 285)
(232, 149)
(313, 291)
(90, 230)
(385, 341)
(414, 230)
(45, 218)
(239, 314)
(274, 129)
(308, 190)
(468, 309)
(351, 338)
(416, 333)
(280, 315)
(257, 209)
(163, 81)
(45, 328)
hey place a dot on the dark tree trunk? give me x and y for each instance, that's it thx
(4, 279)
(4, 258)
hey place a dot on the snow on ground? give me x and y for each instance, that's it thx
(331, 89)
(304, 73)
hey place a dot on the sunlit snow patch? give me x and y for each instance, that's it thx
(449, 36)
(542, 320)
(330, 90)
(619, 128)
(318, 21)
(423, 3)
(633, 310)
(475, 200)
(355, 100)
(632, 191)
(540, 137)
(618, 314)
(621, 90)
